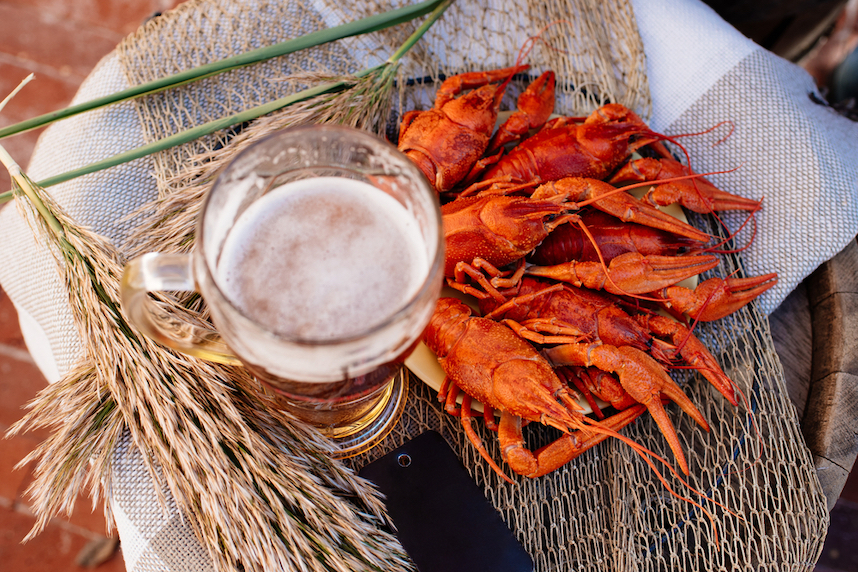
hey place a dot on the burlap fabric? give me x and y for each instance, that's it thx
(606, 510)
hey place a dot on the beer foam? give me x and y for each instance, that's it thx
(322, 258)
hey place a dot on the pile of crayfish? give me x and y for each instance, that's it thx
(566, 267)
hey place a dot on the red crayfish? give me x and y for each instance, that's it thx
(448, 141)
(490, 363)
(512, 216)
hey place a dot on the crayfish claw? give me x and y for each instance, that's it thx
(629, 273)
(455, 85)
(656, 410)
(641, 377)
(633, 273)
(717, 297)
(696, 194)
(693, 352)
(535, 106)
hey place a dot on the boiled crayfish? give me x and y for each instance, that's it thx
(492, 364)
(448, 141)
(565, 147)
(543, 340)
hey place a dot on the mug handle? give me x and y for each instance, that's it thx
(154, 272)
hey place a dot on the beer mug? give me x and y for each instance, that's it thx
(319, 253)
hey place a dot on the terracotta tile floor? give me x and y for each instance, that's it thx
(61, 40)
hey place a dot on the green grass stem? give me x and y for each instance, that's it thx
(248, 115)
(372, 23)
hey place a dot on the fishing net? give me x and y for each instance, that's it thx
(597, 58)
(606, 510)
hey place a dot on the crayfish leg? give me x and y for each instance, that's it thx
(448, 393)
(445, 387)
(476, 271)
(475, 439)
(520, 300)
(489, 418)
(574, 379)
(512, 281)
(450, 405)
(528, 334)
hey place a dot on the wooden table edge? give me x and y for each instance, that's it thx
(829, 417)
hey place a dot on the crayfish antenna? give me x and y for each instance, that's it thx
(662, 150)
(752, 217)
(647, 456)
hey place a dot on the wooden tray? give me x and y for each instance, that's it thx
(815, 332)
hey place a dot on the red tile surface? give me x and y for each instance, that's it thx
(10, 335)
(60, 41)
(72, 49)
(88, 517)
(21, 380)
(14, 480)
(119, 16)
(55, 549)
(58, 546)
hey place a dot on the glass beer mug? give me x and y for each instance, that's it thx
(319, 253)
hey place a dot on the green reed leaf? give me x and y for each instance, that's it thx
(247, 115)
(372, 23)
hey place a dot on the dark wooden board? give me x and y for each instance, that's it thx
(816, 335)
(829, 420)
(791, 332)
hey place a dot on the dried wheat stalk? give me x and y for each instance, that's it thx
(262, 489)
